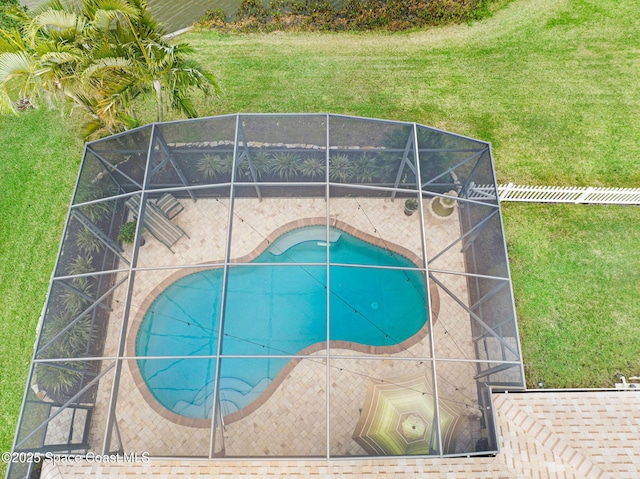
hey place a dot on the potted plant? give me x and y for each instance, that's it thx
(442, 207)
(127, 233)
(410, 206)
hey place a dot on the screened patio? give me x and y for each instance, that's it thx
(234, 197)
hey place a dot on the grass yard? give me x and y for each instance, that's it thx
(551, 83)
(39, 161)
(576, 276)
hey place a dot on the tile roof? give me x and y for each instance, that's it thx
(551, 434)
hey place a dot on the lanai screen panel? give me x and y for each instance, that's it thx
(260, 240)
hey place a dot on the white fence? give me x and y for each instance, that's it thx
(557, 194)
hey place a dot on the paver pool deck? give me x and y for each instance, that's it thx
(303, 392)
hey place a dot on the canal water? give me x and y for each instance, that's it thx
(176, 14)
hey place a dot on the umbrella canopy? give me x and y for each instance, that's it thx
(398, 418)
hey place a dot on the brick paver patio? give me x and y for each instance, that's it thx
(141, 428)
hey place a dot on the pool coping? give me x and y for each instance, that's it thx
(282, 375)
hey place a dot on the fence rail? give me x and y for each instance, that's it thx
(557, 194)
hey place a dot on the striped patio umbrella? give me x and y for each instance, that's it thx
(398, 418)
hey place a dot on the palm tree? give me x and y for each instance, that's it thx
(100, 58)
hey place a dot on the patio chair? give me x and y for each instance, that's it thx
(156, 222)
(169, 205)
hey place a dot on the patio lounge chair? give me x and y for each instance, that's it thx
(156, 222)
(169, 205)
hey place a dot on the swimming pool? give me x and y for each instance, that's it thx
(274, 310)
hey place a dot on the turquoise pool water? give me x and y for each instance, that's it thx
(273, 310)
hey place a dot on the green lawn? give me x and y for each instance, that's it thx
(551, 83)
(39, 158)
(576, 276)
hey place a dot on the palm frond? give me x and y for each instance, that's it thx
(100, 66)
(92, 127)
(102, 19)
(122, 88)
(114, 112)
(86, 101)
(49, 5)
(183, 49)
(162, 55)
(50, 45)
(183, 104)
(108, 11)
(6, 105)
(200, 77)
(59, 58)
(129, 121)
(53, 25)
(15, 64)
(11, 41)
(58, 23)
(124, 7)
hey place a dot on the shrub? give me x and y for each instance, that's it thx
(340, 168)
(218, 15)
(294, 15)
(60, 380)
(96, 191)
(213, 166)
(285, 165)
(72, 301)
(127, 233)
(312, 168)
(73, 342)
(252, 9)
(81, 265)
(261, 162)
(364, 168)
(87, 242)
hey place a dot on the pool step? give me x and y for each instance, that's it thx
(199, 407)
(302, 235)
(236, 394)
